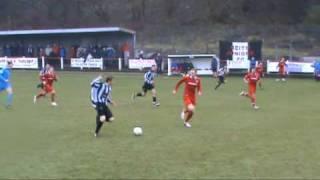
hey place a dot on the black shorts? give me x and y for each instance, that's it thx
(221, 79)
(147, 87)
(103, 110)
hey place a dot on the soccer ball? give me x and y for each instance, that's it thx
(137, 131)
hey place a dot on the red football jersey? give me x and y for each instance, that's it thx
(281, 66)
(192, 84)
(49, 78)
(252, 78)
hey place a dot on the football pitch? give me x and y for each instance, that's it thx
(228, 139)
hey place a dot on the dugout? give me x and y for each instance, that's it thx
(68, 38)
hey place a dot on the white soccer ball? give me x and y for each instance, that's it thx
(137, 131)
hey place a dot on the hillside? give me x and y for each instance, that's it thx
(180, 25)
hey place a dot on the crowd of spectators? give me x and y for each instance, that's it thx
(56, 51)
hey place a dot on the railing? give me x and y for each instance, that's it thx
(92, 64)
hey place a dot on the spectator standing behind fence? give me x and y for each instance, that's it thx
(81, 51)
(1, 51)
(55, 50)
(158, 60)
(125, 49)
(141, 56)
(48, 51)
(63, 52)
(110, 52)
(30, 51)
(99, 51)
(42, 52)
(7, 50)
(20, 50)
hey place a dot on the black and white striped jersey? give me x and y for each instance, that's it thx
(100, 92)
(149, 77)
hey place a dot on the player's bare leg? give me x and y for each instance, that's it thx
(260, 84)
(53, 96)
(188, 115)
(283, 78)
(38, 96)
(253, 101)
(154, 98)
(183, 112)
(252, 97)
(9, 97)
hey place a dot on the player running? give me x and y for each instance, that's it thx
(5, 84)
(251, 79)
(192, 85)
(221, 77)
(47, 79)
(259, 70)
(282, 69)
(100, 98)
(149, 86)
(42, 72)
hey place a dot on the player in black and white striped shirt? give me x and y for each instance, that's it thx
(100, 98)
(148, 85)
(220, 73)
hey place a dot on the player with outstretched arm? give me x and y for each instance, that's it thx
(192, 86)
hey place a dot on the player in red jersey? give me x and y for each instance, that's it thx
(251, 79)
(282, 69)
(47, 78)
(192, 85)
(259, 70)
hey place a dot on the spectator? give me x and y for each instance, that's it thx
(141, 56)
(42, 52)
(63, 52)
(94, 52)
(55, 50)
(20, 50)
(126, 53)
(48, 51)
(104, 52)
(30, 51)
(14, 49)
(79, 52)
(99, 51)
(1, 51)
(110, 52)
(159, 63)
(73, 51)
(7, 50)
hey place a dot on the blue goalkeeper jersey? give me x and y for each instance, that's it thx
(5, 75)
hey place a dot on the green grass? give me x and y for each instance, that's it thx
(228, 139)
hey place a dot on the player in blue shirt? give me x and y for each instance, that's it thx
(316, 66)
(5, 84)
